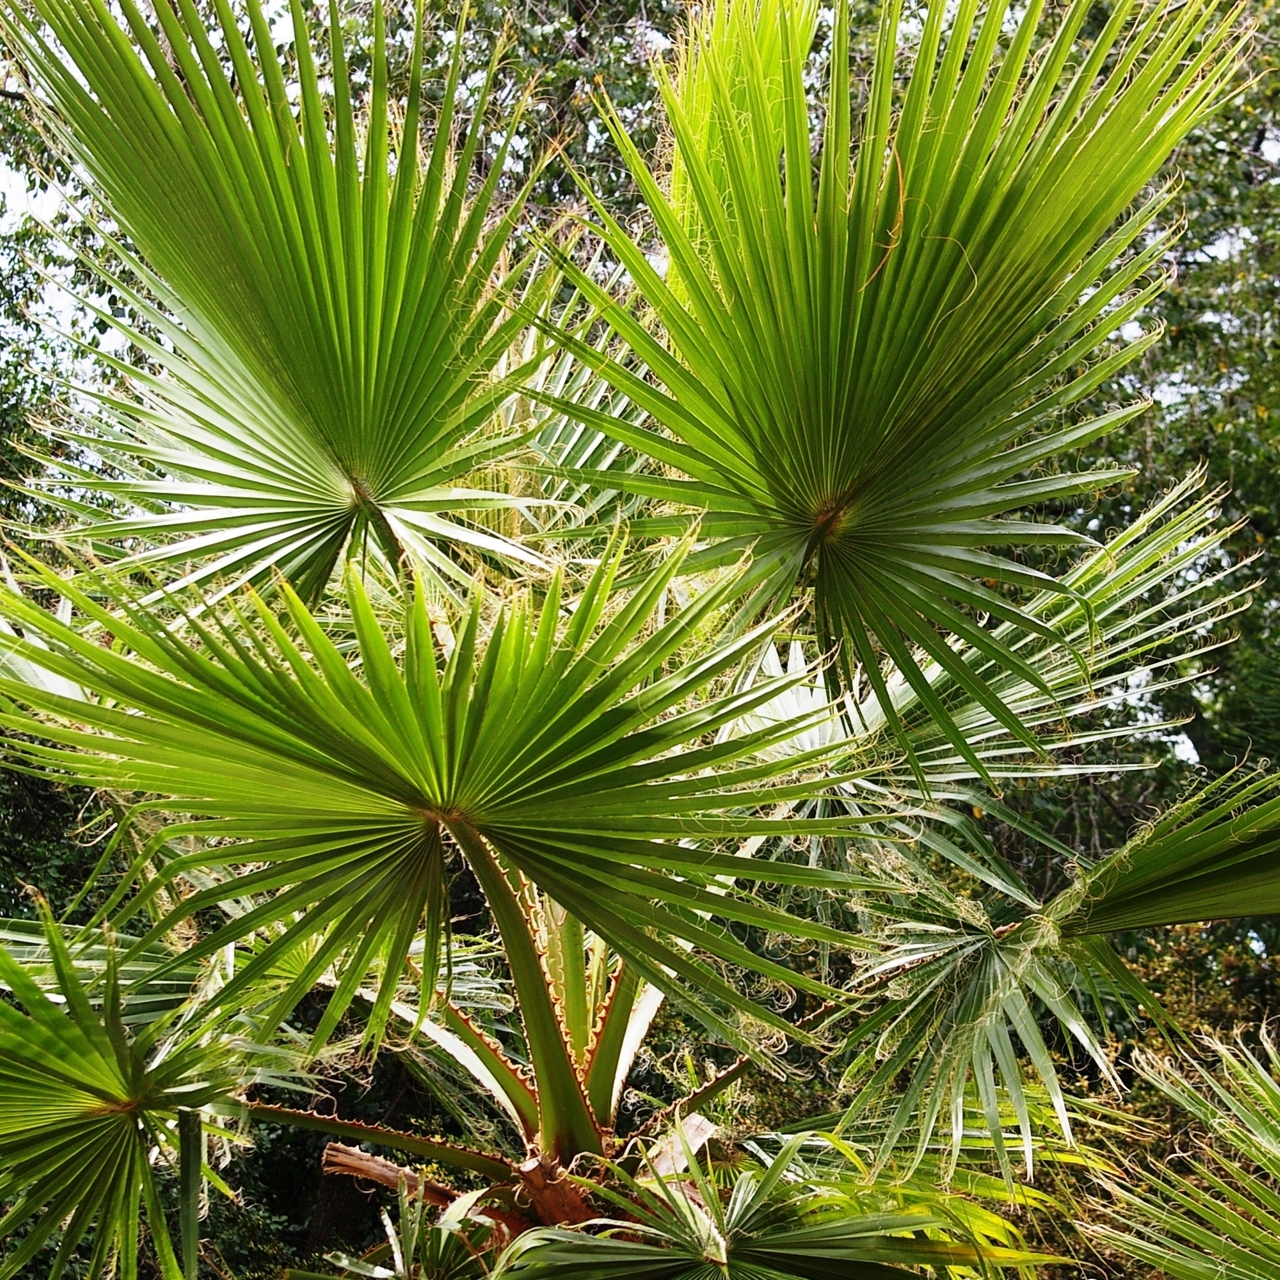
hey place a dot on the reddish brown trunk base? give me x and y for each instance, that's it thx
(554, 1196)
(351, 1162)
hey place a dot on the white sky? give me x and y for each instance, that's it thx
(18, 201)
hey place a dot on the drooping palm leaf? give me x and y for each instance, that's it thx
(330, 319)
(145, 992)
(773, 1220)
(1141, 606)
(1213, 857)
(83, 1104)
(966, 979)
(574, 752)
(858, 380)
(1220, 1218)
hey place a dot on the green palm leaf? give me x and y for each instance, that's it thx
(83, 1102)
(858, 381)
(966, 980)
(330, 314)
(1220, 1220)
(579, 753)
(773, 1220)
(416, 1249)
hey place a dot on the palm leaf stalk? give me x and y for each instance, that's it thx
(602, 1010)
(966, 978)
(329, 319)
(1221, 1216)
(864, 383)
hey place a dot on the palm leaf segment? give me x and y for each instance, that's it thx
(330, 319)
(84, 1104)
(568, 753)
(859, 379)
(970, 977)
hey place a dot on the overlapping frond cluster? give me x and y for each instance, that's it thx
(354, 606)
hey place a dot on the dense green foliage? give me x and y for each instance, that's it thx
(417, 773)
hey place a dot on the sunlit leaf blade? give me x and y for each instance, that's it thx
(331, 321)
(581, 501)
(1214, 857)
(867, 382)
(1218, 1216)
(83, 1103)
(579, 751)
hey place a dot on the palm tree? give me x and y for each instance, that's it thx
(351, 610)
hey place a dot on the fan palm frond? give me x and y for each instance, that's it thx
(866, 382)
(331, 317)
(579, 753)
(965, 979)
(83, 1102)
(1140, 606)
